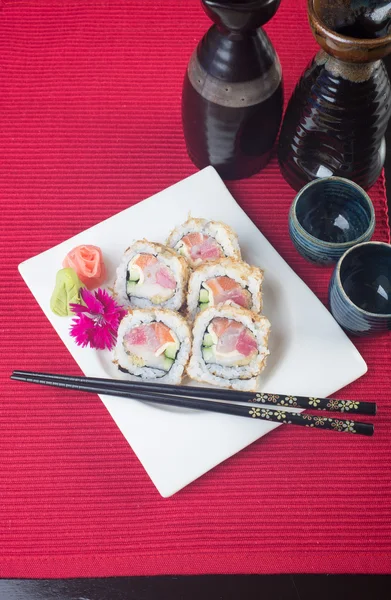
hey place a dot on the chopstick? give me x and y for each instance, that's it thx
(150, 394)
(328, 404)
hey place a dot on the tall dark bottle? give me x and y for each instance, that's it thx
(232, 95)
(337, 117)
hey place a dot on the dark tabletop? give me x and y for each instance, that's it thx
(219, 587)
(206, 587)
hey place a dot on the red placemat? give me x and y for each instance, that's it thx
(90, 124)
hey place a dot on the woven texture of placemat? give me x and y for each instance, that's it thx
(90, 124)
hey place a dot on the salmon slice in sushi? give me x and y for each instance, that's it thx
(224, 289)
(227, 280)
(233, 344)
(153, 344)
(229, 347)
(151, 275)
(199, 240)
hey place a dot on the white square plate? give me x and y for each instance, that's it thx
(310, 354)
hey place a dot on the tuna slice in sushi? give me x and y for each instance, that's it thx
(153, 344)
(229, 347)
(199, 240)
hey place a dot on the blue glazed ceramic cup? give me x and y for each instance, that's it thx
(360, 289)
(328, 216)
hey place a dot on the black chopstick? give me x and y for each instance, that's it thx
(111, 388)
(292, 401)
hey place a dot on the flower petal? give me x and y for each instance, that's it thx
(92, 302)
(81, 329)
(78, 308)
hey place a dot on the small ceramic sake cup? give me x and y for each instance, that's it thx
(328, 216)
(360, 289)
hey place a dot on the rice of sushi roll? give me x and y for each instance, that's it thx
(153, 344)
(199, 240)
(227, 280)
(229, 347)
(151, 275)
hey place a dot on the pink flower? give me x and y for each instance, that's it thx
(96, 324)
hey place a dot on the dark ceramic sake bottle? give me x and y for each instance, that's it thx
(337, 117)
(232, 95)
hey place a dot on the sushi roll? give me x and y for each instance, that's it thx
(153, 344)
(227, 280)
(151, 275)
(229, 347)
(199, 240)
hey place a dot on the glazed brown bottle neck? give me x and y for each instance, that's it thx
(235, 58)
(240, 15)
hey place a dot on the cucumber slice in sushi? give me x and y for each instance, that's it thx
(208, 340)
(133, 279)
(171, 351)
(208, 353)
(204, 296)
(168, 362)
(134, 275)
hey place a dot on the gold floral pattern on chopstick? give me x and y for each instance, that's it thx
(280, 416)
(312, 402)
(274, 399)
(343, 405)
